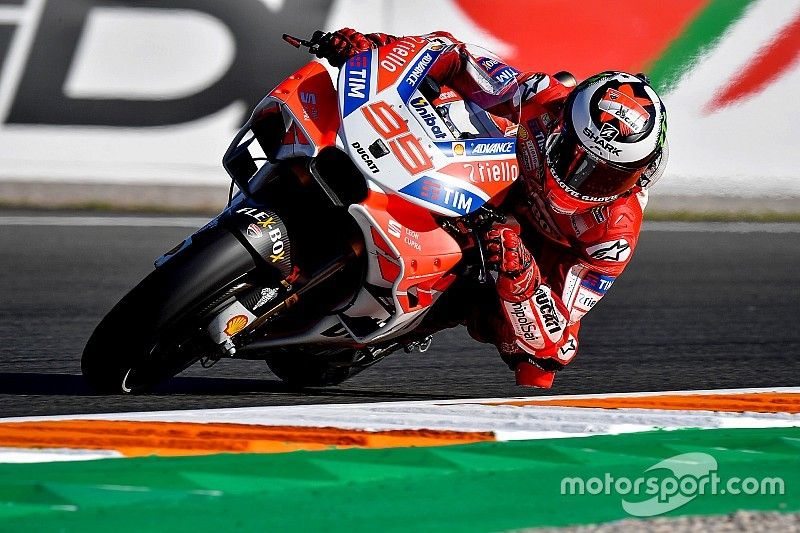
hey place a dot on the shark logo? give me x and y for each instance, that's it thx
(610, 251)
(608, 132)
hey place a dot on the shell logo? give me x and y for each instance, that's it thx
(235, 325)
(458, 148)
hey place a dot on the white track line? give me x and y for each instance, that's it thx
(196, 222)
(50, 455)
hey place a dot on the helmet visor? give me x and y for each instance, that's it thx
(583, 174)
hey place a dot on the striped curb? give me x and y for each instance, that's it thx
(278, 429)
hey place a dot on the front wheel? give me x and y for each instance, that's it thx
(155, 331)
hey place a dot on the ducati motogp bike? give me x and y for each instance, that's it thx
(358, 203)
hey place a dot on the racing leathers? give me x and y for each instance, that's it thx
(552, 267)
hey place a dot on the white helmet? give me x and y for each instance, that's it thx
(612, 139)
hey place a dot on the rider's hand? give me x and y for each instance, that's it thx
(518, 274)
(506, 254)
(335, 47)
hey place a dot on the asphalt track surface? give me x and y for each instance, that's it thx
(698, 308)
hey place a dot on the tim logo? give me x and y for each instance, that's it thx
(357, 82)
(452, 198)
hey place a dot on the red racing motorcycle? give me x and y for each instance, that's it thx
(357, 206)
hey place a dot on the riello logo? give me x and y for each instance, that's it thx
(44, 42)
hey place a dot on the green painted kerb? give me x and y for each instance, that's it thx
(477, 487)
(699, 37)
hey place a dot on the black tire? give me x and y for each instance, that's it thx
(152, 333)
(302, 369)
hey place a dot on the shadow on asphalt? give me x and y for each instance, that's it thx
(28, 383)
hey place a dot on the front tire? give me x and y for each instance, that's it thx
(154, 332)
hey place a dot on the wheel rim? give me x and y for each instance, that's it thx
(124, 385)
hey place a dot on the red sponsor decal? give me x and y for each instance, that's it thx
(447, 96)
(393, 59)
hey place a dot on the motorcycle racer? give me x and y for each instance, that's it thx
(587, 156)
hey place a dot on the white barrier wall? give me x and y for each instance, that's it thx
(151, 91)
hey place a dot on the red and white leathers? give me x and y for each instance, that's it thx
(577, 255)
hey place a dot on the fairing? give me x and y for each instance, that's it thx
(404, 145)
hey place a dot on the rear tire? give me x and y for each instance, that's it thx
(306, 369)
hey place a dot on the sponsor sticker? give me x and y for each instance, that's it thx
(267, 221)
(568, 350)
(484, 171)
(498, 70)
(428, 117)
(586, 300)
(309, 102)
(357, 76)
(597, 282)
(378, 149)
(631, 116)
(444, 195)
(267, 295)
(478, 147)
(618, 250)
(608, 132)
(362, 153)
(394, 228)
(254, 232)
(235, 325)
(524, 323)
(552, 321)
(416, 73)
(600, 142)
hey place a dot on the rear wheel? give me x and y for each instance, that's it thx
(305, 368)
